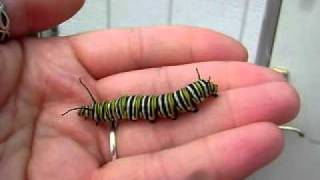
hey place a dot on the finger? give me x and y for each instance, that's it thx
(29, 16)
(232, 154)
(107, 52)
(260, 95)
(228, 75)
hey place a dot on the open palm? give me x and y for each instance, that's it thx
(229, 138)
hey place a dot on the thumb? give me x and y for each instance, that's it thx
(28, 16)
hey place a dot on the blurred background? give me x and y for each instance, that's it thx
(282, 34)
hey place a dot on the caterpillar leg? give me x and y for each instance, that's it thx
(152, 120)
(192, 107)
(174, 115)
(174, 118)
(195, 108)
(97, 121)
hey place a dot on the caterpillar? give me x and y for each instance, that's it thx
(148, 107)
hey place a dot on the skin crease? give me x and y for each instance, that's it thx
(230, 137)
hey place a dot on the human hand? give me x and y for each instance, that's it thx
(229, 138)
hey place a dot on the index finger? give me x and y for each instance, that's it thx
(113, 51)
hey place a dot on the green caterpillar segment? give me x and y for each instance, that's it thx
(149, 107)
(170, 105)
(198, 89)
(137, 107)
(123, 112)
(152, 108)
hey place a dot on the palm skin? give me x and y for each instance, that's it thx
(41, 83)
(229, 138)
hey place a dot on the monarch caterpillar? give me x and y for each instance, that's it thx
(148, 107)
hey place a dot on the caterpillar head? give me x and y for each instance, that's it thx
(84, 111)
(212, 88)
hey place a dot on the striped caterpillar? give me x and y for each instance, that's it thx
(148, 107)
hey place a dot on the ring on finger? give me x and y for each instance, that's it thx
(113, 142)
(4, 24)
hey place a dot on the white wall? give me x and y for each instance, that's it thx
(297, 48)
